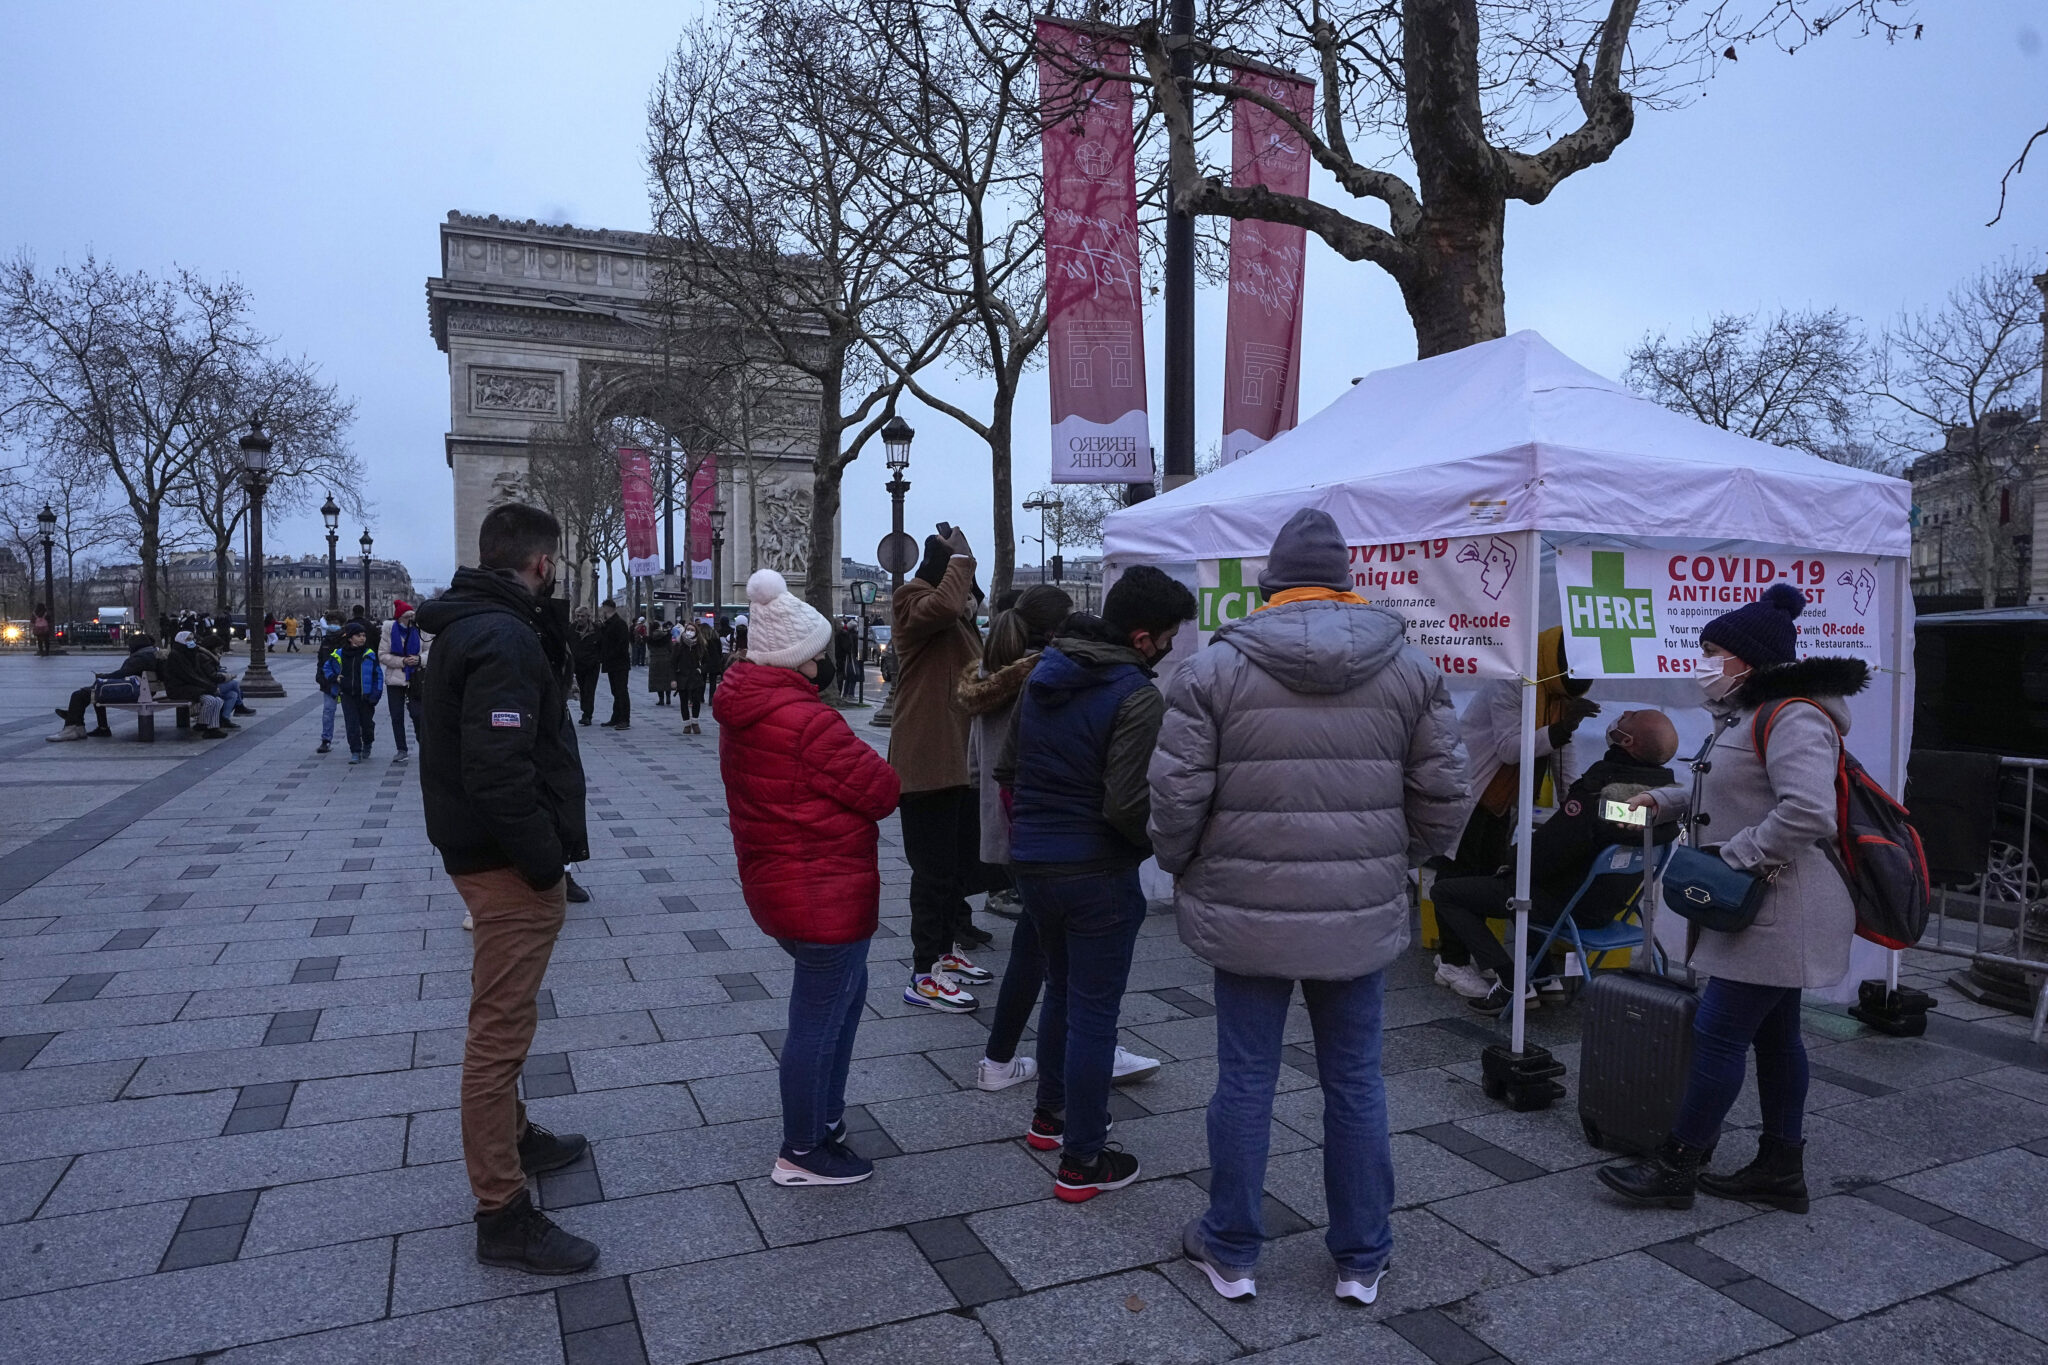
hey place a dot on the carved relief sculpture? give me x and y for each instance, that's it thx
(784, 530)
(515, 391)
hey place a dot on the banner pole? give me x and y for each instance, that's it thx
(1525, 814)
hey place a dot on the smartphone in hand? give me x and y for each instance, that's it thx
(1622, 813)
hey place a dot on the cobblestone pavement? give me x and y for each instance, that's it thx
(232, 992)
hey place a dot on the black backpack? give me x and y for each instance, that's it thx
(1876, 848)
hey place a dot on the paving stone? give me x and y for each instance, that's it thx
(253, 1066)
(25, 1184)
(957, 1340)
(384, 1092)
(1904, 1063)
(438, 1268)
(1423, 1173)
(1628, 1310)
(1136, 1318)
(87, 1248)
(137, 1175)
(771, 1297)
(104, 1127)
(1848, 1257)
(687, 1060)
(2004, 1190)
(1950, 1121)
(58, 1086)
(1939, 1331)
(2017, 1297)
(582, 1033)
(703, 1156)
(189, 1311)
(509, 1331)
(354, 1207)
(757, 1094)
(1559, 1221)
(1046, 1242)
(904, 1189)
(150, 1040)
(1347, 1347)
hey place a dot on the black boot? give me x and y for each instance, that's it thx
(1665, 1178)
(521, 1237)
(1777, 1177)
(574, 893)
(540, 1150)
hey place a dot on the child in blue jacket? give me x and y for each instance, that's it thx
(353, 676)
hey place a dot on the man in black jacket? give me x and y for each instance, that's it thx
(142, 658)
(583, 657)
(615, 654)
(1639, 744)
(503, 787)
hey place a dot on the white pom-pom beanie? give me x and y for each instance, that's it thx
(783, 630)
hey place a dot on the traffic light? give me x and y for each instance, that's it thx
(1059, 567)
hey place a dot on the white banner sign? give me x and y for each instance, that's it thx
(1463, 598)
(1634, 613)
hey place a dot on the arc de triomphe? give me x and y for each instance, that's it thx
(533, 315)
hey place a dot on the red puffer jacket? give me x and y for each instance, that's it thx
(804, 795)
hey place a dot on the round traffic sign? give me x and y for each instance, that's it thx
(897, 553)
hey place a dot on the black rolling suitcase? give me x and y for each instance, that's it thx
(1636, 1044)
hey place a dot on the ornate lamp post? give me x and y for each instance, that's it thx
(256, 679)
(896, 438)
(717, 564)
(1042, 505)
(46, 532)
(331, 514)
(365, 543)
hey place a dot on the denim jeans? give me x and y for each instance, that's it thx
(230, 694)
(825, 1001)
(1358, 1157)
(1734, 1016)
(327, 704)
(400, 702)
(1087, 924)
(359, 715)
(1023, 978)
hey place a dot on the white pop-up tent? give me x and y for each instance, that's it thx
(1454, 476)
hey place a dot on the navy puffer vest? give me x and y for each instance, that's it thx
(1063, 728)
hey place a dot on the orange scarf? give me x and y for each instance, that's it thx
(1279, 599)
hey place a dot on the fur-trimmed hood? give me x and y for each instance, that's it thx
(1827, 681)
(978, 695)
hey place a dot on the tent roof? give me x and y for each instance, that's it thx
(1514, 435)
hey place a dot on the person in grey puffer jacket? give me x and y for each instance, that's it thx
(1308, 759)
(1767, 808)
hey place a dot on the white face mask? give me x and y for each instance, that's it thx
(1714, 680)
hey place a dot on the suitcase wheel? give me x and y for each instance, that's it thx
(1593, 1135)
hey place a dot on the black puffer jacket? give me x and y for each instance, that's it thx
(499, 770)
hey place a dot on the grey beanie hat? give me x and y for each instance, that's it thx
(1309, 552)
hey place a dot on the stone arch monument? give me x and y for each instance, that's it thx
(532, 316)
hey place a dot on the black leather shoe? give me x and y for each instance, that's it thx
(972, 934)
(576, 894)
(541, 1151)
(584, 721)
(244, 711)
(1777, 1177)
(521, 1237)
(1665, 1178)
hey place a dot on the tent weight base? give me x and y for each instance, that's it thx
(1901, 1013)
(1524, 1080)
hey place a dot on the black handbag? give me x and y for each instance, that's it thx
(1698, 884)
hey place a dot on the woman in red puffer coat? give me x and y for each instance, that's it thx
(805, 796)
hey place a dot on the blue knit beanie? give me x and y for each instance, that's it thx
(1760, 633)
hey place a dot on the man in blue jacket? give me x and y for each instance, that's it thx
(1075, 767)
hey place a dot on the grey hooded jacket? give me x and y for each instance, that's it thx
(1309, 757)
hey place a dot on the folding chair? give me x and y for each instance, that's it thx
(1625, 931)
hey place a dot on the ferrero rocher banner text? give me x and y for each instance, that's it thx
(703, 497)
(636, 492)
(1094, 288)
(1262, 343)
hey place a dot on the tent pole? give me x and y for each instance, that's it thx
(1902, 715)
(1525, 815)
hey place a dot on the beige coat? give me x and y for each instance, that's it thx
(933, 639)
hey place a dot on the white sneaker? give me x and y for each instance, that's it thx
(1002, 1075)
(1360, 1291)
(469, 922)
(956, 965)
(1132, 1067)
(1466, 980)
(65, 735)
(937, 992)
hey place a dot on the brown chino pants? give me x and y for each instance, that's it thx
(514, 937)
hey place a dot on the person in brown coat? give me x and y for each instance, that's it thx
(934, 638)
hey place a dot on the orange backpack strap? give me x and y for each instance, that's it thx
(1761, 723)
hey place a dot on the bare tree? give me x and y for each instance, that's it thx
(75, 490)
(1793, 379)
(790, 225)
(571, 474)
(1438, 113)
(1965, 375)
(118, 369)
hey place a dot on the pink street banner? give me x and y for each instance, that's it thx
(1262, 342)
(636, 493)
(703, 497)
(1094, 284)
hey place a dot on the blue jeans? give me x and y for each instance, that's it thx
(825, 1001)
(359, 715)
(1087, 924)
(1023, 979)
(327, 705)
(1358, 1157)
(1733, 1017)
(230, 694)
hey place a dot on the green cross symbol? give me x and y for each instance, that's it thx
(1613, 613)
(1230, 600)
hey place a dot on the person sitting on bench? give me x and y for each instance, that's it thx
(141, 659)
(191, 674)
(1639, 744)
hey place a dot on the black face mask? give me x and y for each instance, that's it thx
(826, 672)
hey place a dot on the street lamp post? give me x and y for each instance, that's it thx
(1042, 505)
(365, 543)
(256, 679)
(717, 565)
(331, 514)
(46, 532)
(896, 438)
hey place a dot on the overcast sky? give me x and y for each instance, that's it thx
(312, 150)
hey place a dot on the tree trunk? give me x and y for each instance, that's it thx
(1004, 564)
(220, 578)
(148, 553)
(820, 567)
(1456, 297)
